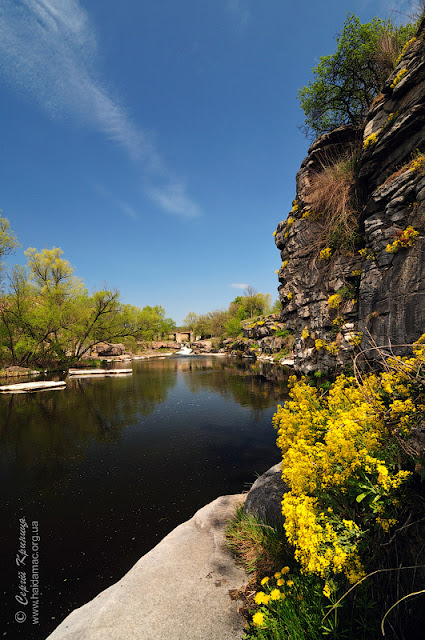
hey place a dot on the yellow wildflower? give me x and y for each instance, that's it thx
(325, 254)
(334, 301)
(258, 619)
(370, 140)
(398, 78)
(327, 591)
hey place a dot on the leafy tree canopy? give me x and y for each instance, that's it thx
(227, 323)
(48, 316)
(347, 81)
(8, 241)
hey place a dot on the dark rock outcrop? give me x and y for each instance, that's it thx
(381, 293)
(262, 337)
(104, 349)
(264, 499)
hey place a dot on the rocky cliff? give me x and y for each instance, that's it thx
(352, 247)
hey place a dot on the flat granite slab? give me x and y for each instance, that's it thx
(28, 387)
(177, 591)
(98, 372)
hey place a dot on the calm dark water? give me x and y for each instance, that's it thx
(109, 466)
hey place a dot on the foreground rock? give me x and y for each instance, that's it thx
(264, 499)
(177, 591)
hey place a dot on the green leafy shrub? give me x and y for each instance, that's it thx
(347, 81)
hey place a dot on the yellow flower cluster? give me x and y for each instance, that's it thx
(338, 322)
(305, 333)
(320, 344)
(406, 46)
(356, 338)
(391, 118)
(418, 164)
(334, 301)
(370, 140)
(284, 264)
(289, 296)
(274, 232)
(403, 240)
(332, 348)
(306, 213)
(398, 78)
(325, 254)
(290, 221)
(268, 599)
(367, 253)
(334, 449)
(356, 273)
(295, 206)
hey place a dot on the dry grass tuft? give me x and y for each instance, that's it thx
(331, 199)
(387, 52)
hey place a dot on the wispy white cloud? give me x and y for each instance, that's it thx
(173, 198)
(48, 52)
(239, 285)
(240, 13)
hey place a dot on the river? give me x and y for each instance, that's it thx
(98, 473)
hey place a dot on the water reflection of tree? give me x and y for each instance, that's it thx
(54, 428)
(245, 382)
(49, 431)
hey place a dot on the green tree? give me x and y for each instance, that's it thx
(190, 321)
(49, 316)
(8, 242)
(276, 306)
(346, 82)
(203, 326)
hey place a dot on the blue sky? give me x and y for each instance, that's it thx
(157, 143)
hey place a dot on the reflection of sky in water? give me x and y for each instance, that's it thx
(109, 466)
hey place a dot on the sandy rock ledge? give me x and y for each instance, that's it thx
(177, 591)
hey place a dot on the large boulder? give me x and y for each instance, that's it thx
(104, 349)
(264, 499)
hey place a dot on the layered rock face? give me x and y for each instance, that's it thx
(334, 295)
(265, 337)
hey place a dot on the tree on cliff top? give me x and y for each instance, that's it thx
(347, 81)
